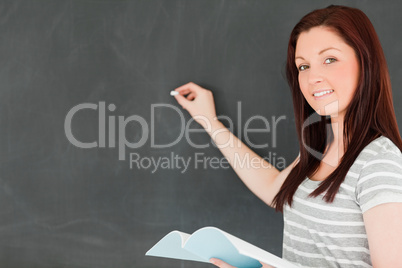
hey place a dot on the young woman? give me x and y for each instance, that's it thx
(342, 196)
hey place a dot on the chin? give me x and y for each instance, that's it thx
(320, 113)
(330, 109)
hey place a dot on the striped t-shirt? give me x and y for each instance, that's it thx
(321, 234)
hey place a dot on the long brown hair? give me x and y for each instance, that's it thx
(369, 115)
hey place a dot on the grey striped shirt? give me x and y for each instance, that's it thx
(320, 234)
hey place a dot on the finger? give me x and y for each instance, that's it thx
(191, 96)
(220, 263)
(189, 87)
(264, 265)
(182, 101)
(183, 91)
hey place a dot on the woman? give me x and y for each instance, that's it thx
(342, 196)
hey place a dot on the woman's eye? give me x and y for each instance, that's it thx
(303, 67)
(329, 60)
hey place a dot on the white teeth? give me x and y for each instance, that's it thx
(323, 93)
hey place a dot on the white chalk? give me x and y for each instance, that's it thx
(174, 93)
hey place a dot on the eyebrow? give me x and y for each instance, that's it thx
(322, 51)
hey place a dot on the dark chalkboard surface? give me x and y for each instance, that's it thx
(97, 74)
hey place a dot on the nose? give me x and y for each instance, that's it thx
(315, 76)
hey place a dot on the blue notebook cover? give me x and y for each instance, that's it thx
(211, 242)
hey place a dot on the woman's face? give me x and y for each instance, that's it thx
(328, 71)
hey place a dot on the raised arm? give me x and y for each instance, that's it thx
(263, 179)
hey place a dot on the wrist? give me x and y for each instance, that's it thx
(213, 126)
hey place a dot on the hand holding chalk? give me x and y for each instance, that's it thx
(199, 102)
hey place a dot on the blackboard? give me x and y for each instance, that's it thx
(98, 74)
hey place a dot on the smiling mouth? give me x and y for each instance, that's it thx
(322, 93)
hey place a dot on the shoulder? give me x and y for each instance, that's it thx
(381, 150)
(380, 178)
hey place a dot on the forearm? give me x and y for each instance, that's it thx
(258, 175)
(263, 179)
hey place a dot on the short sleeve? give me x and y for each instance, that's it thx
(380, 181)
